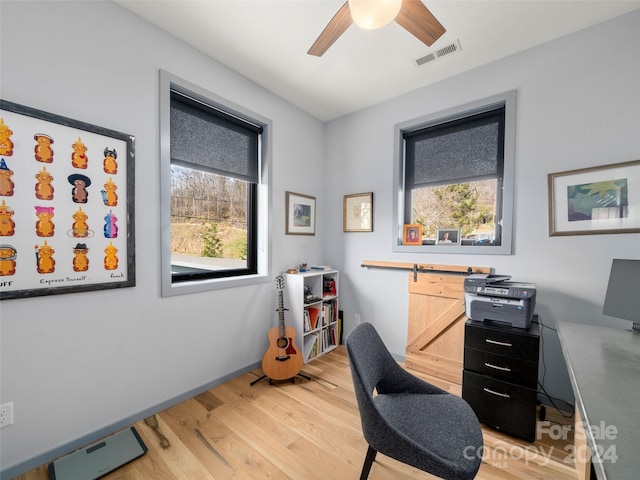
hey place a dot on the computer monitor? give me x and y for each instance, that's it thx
(623, 293)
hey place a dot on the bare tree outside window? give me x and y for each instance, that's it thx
(208, 218)
(468, 206)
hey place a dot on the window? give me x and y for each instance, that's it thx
(455, 178)
(213, 194)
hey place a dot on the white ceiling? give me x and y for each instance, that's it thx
(267, 41)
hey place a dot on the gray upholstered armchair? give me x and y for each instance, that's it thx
(408, 419)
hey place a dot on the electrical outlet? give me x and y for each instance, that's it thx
(6, 414)
(356, 319)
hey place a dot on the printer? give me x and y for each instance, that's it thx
(494, 299)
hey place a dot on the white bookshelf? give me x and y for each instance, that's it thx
(315, 320)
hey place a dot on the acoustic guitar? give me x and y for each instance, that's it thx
(283, 359)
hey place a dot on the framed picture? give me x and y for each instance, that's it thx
(66, 205)
(301, 214)
(595, 200)
(412, 234)
(357, 212)
(448, 236)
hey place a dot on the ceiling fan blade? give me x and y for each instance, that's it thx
(415, 18)
(336, 27)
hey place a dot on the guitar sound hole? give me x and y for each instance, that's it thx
(282, 342)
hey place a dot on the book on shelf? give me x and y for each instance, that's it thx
(310, 346)
(329, 337)
(329, 313)
(314, 313)
(307, 321)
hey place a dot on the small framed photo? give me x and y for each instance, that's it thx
(412, 234)
(357, 212)
(300, 214)
(448, 236)
(596, 200)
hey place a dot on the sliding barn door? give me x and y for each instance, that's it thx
(435, 341)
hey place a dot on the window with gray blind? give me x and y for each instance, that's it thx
(214, 217)
(456, 151)
(454, 174)
(205, 137)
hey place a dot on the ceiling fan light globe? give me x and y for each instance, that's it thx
(372, 14)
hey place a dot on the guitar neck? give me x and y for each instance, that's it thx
(281, 313)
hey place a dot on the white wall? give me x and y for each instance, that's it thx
(73, 364)
(578, 106)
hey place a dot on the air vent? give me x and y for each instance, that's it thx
(439, 53)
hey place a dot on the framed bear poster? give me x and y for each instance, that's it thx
(66, 205)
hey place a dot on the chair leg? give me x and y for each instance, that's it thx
(368, 461)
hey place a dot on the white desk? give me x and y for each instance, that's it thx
(604, 368)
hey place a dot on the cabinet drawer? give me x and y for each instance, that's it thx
(503, 368)
(501, 405)
(510, 342)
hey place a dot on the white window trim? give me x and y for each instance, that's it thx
(508, 99)
(167, 82)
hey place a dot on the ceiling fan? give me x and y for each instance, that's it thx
(411, 15)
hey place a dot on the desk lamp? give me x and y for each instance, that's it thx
(623, 293)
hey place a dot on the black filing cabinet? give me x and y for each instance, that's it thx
(500, 377)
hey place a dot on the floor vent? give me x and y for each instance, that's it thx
(439, 53)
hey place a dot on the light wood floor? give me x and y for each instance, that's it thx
(301, 431)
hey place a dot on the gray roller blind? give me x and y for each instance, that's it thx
(462, 150)
(212, 139)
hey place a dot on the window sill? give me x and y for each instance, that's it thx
(454, 249)
(182, 288)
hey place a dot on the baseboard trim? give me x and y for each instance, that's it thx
(51, 455)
